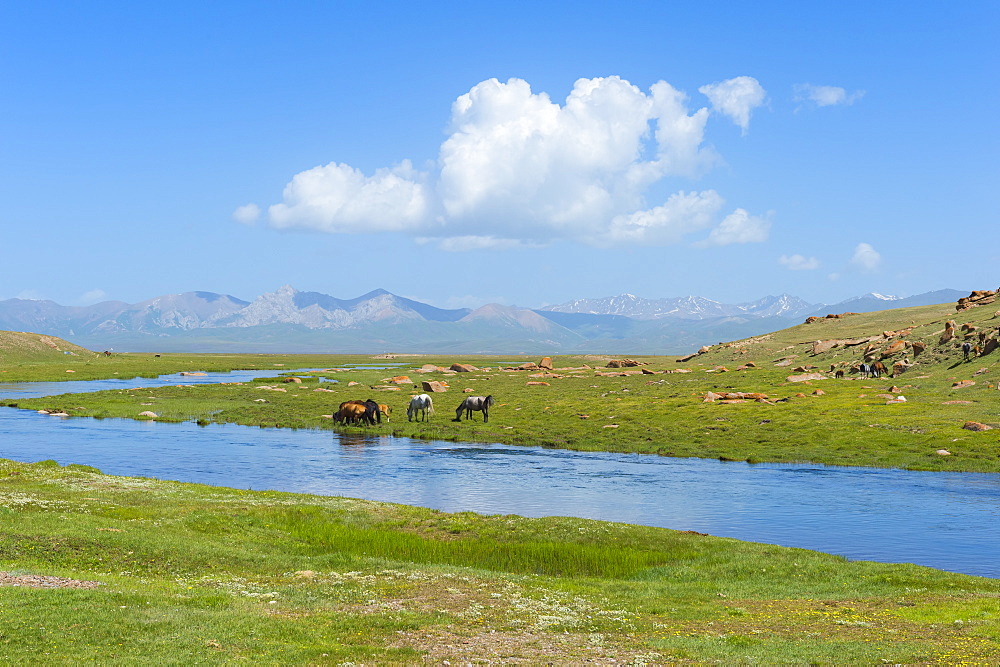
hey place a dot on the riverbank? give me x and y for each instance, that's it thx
(140, 570)
(659, 407)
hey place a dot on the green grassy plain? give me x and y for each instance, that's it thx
(189, 573)
(183, 573)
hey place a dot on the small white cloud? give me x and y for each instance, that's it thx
(866, 257)
(833, 276)
(736, 98)
(826, 96)
(91, 297)
(738, 227)
(798, 262)
(247, 214)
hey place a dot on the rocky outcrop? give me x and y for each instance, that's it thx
(976, 298)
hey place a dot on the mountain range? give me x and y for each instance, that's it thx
(291, 321)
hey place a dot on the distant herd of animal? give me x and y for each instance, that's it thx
(369, 412)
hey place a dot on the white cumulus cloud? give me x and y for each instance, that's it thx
(798, 262)
(518, 169)
(866, 257)
(738, 227)
(826, 96)
(736, 98)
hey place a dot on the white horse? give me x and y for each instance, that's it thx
(422, 404)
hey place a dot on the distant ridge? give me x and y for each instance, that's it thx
(288, 320)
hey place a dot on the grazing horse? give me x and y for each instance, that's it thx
(878, 368)
(373, 412)
(422, 404)
(839, 374)
(355, 412)
(480, 403)
(384, 410)
(966, 349)
(352, 412)
(865, 370)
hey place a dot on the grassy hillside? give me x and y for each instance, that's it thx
(18, 347)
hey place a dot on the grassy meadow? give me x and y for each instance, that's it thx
(121, 570)
(126, 570)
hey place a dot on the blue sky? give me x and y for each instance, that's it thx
(513, 153)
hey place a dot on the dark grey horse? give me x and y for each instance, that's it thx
(480, 403)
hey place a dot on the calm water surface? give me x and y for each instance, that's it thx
(944, 520)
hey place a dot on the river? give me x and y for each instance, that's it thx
(943, 520)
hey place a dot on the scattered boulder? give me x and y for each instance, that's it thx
(623, 363)
(148, 413)
(292, 380)
(976, 426)
(810, 320)
(962, 384)
(805, 377)
(193, 374)
(537, 384)
(943, 452)
(545, 363)
(433, 386)
(818, 392)
(821, 346)
(712, 396)
(917, 348)
(463, 368)
(895, 348)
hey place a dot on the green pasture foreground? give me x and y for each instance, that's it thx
(121, 570)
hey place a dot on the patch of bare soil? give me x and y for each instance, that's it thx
(42, 581)
(518, 648)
